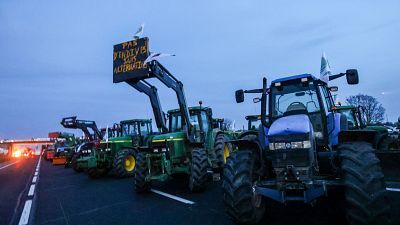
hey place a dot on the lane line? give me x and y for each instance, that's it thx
(25, 213)
(36, 173)
(393, 189)
(179, 199)
(8, 165)
(31, 190)
(34, 179)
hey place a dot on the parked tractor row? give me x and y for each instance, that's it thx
(301, 147)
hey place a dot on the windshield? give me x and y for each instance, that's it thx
(144, 128)
(351, 121)
(254, 124)
(294, 97)
(129, 129)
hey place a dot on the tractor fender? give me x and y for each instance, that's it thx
(368, 136)
(248, 145)
(246, 133)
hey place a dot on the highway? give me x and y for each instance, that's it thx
(63, 196)
(15, 181)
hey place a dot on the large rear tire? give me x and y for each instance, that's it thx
(241, 204)
(141, 172)
(198, 174)
(125, 163)
(365, 190)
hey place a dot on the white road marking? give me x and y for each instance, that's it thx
(36, 173)
(173, 197)
(25, 213)
(34, 179)
(7, 165)
(393, 189)
(31, 190)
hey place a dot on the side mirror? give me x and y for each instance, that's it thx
(352, 76)
(333, 89)
(239, 95)
(256, 100)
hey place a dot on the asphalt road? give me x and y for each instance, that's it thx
(66, 197)
(15, 178)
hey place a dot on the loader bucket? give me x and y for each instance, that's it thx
(59, 160)
(390, 163)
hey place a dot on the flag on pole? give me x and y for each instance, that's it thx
(106, 135)
(139, 32)
(155, 56)
(325, 69)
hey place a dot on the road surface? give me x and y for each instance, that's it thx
(64, 197)
(15, 180)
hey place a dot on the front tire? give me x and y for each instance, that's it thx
(241, 204)
(365, 189)
(198, 174)
(125, 163)
(222, 151)
(141, 172)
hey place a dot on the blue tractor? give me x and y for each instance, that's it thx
(304, 150)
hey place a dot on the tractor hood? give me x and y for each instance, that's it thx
(176, 136)
(290, 128)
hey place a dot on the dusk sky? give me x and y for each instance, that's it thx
(56, 56)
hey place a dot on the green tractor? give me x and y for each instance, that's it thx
(382, 140)
(304, 151)
(92, 135)
(117, 154)
(62, 149)
(187, 145)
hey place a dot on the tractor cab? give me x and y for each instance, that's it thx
(112, 132)
(306, 103)
(200, 121)
(352, 115)
(253, 122)
(138, 129)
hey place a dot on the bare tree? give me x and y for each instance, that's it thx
(372, 111)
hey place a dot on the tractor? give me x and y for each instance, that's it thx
(91, 138)
(118, 153)
(187, 145)
(303, 152)
(64, 144)
(384, 141)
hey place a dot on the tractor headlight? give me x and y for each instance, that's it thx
(289, 145)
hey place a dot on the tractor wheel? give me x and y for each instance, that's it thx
(388, 144)
(365, 190)
(222, 151)
(125, 163)
(74, 163)
(97, 172)
(198, 173)
(141, 172)
(241, 203)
